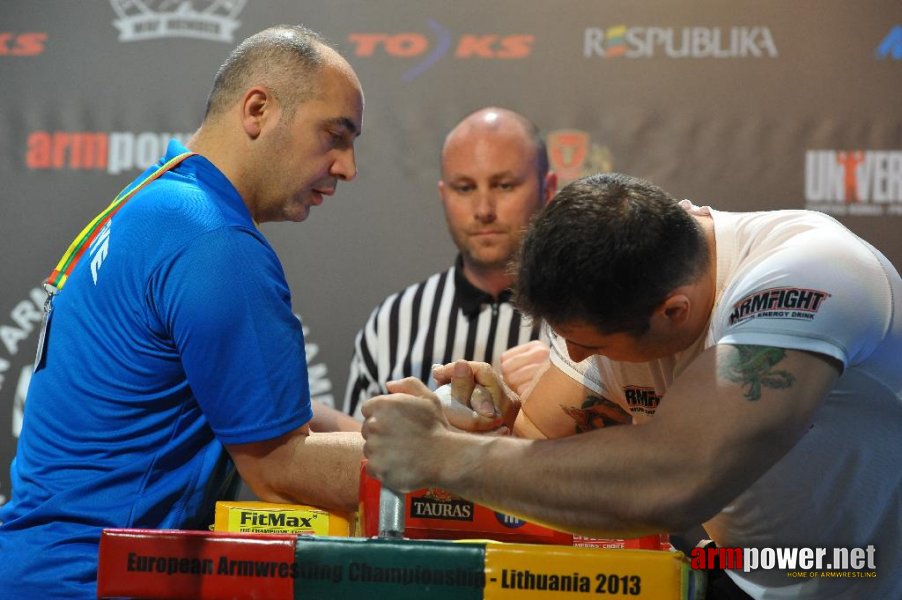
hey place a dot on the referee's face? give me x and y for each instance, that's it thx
(490, 189)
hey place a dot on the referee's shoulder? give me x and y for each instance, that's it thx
(430, 281)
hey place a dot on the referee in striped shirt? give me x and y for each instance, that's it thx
(495, 177)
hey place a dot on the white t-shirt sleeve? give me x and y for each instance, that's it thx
(822, 291)
(585, 372)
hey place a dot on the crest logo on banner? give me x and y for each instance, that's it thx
(573, 155)
(891, 46)
(213, 20)
(854, 182)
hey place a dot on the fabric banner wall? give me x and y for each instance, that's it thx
(742, 105)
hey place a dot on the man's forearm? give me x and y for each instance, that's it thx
(320, 469)
(609, 485)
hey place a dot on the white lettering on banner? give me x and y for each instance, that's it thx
(128, 150)
(317, 373)
(94, 150)
(24, 315)
(4, 367)
(856, 182)
(19, 399)
(688, 42)
(790, 559)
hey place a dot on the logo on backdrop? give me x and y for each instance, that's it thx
(213, 20)
(16, 364)
(854, 182)
(317, 373)
(22, 44)
(686, 42)
(428, 49)
(572, 155)
(891, 46)
(112, 152)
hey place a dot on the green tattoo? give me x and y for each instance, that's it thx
(752, 368)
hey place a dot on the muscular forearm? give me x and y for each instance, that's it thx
(320, 469)
(619, 485)
(708, 442)
(327, 470)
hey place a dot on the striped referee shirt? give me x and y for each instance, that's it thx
(441, 319)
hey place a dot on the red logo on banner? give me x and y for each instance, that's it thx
(567, 150)
(113, 152)
(441, 43)
(406, 45)
(22, 44)
(572, 155)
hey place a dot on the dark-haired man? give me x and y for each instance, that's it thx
(173, 356)
(758, 354)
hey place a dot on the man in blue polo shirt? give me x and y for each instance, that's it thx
(172, 355)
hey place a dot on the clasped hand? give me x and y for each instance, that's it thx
(408, 433)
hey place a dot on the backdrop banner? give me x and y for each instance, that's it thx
(742, 105)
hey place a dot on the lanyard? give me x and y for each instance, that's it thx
(64, 267)
(60, 274)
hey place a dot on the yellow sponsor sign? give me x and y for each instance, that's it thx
(266, 517)
(521, 571)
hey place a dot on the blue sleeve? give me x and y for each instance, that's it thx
(226, 305)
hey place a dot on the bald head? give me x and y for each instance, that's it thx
(498, 122)
(285, 59)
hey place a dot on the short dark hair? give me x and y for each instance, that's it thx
(606, 252)
(282, 57)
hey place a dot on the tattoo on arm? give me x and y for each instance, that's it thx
(597, 412)
(753, 367)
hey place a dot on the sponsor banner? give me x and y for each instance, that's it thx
(113, 152)
(854, 182)
(426, 48)
(29, 43)
(890, 47)
(623, 41)
(266, 517)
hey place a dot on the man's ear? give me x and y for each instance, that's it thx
(676, 308)
(258, 107)
(550, 187)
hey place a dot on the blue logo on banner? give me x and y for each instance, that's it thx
(442, 45)
(891, 46)
(509, 521)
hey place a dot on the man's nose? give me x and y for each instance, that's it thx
(484, 206)
(345, 166)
